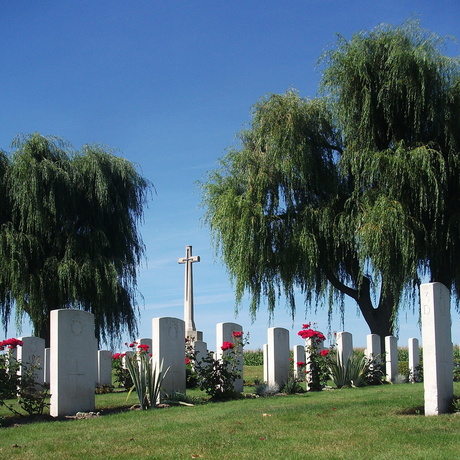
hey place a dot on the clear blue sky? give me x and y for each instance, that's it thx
(169, 84)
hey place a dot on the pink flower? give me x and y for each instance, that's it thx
(324, 352)
(238, 334)
(227, 346)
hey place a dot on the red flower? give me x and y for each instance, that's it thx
(238, 334)
(10, 343)
(116, 356)
(306, 326)
(311, 333)
(227, 346)
(187, 360)
(132, 344)
(324, 352)
(301, 364)
(143, 347)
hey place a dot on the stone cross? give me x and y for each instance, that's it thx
(188, 260)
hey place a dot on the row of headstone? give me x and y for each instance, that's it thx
(73, 374)
(74, 363)
(276, 354)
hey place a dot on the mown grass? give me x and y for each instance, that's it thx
(372, 422)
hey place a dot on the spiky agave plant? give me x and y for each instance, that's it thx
(147, 379)
(352, 372)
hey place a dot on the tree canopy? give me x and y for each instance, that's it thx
(354, 193)
(69, 234)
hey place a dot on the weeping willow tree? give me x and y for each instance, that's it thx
(69, 236)
(353, 194)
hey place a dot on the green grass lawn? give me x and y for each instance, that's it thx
(377, 422)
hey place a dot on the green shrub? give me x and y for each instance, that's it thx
(292, 386)
(403, 369)
(253, 358)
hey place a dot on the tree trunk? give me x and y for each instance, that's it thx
(42, 330)
(380, 319)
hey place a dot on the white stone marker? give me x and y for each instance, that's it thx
(201, 350)
(278, 356)
(104, 367)
(73, 362)
(265, 355)
(437, 348)
(168, 345)
(373, 349)
(224, 333)
(144, 341)
(344, 346)
(127, 355)
(32, 353)
(46, 367)
(298, 356)
(391, 358)
(414, 359)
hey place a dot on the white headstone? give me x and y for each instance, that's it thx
(104, 367)
(437, 348)
(391, 358)
(278, 356)
(32, 353)
(73, 362)
(144, 341)
(168, 345)
(373, 349)
(414, 359)
(224, 333)
(201, 350)
(344, 346)
(127, 355)
(298, 356)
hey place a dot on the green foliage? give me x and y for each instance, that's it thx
(265, 389)
(68, 234)
(403, 369)
(456, 371)
(122, 375)
(349, 194)
(217, 376)
(292, 386)
(17, 380)
(103, 389)
(253, 358)
(349, 373)
(147, 379)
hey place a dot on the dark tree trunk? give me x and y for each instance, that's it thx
(380, 319)
(43, 331)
